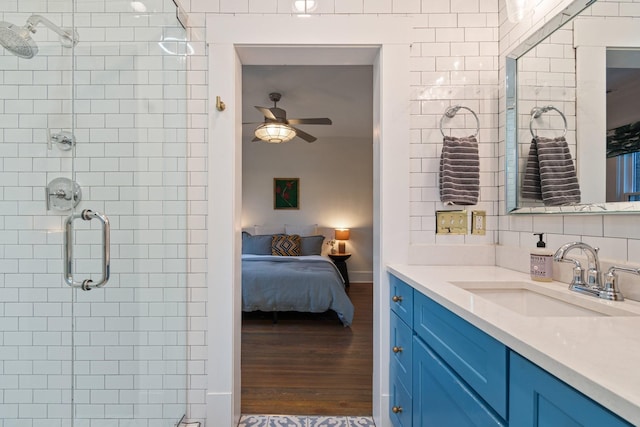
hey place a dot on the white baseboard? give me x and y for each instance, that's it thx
(360, 276)
(220, 410)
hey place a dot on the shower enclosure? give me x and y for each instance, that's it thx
(93, 239)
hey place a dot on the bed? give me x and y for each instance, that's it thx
(305, 282)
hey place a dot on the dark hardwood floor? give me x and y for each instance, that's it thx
(309, 364)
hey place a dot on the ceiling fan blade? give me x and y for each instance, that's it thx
(266, 112)
(256, 139)
(304, 135)
(316, 121)
(252, 123)
(278, 113)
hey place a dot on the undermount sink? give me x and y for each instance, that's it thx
(529, 299)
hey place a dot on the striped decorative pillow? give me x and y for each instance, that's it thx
(285, 245)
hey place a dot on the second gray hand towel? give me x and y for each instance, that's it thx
(557, 177)
(459, 171)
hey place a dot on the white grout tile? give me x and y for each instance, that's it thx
(349, 6)
(378, 6)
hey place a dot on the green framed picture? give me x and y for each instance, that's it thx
(286, 193)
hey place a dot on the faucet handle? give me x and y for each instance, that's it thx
(610, 290)
(578, 271)
(578, 277)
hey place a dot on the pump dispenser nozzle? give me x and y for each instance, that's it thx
(541, 243)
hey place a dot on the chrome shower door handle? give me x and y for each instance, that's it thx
(87, 284)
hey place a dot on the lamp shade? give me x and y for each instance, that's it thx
(275, 132)
(342, 233)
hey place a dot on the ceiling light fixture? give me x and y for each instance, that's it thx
(275, 133)
(304, 7)
(138, 6)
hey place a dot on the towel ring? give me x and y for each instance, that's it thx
(536, 112)
(451, 112)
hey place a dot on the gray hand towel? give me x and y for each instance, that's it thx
(556, 173)
(459, 171)
(531, 180)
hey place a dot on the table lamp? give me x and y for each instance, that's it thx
(342, 234)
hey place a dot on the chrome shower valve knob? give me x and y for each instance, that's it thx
(62, 194)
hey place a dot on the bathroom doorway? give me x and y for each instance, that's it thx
(229, 49)
(336, 178)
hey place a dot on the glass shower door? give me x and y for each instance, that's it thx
(36, 195)
(92, 134)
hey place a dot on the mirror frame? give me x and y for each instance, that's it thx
(511, 121)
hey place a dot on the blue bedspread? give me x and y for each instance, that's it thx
(294, 283)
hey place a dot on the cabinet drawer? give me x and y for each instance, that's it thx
(442, 399)
(401, 350)
(539, 398)
(401, 299)
(477, 358)
(401, 409)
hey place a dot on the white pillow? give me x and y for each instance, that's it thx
(269, 229)
(302, 230)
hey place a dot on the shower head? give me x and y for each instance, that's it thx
(18, 41)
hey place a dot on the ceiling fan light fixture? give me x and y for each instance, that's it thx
(275, 133)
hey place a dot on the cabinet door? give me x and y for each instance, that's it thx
(539, 399)
(401, 404)
(401, 350)
(401, 299)
(441, 398)
(477, 358)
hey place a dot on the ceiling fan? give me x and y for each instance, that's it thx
(276, 128)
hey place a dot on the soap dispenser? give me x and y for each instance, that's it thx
(541, 261)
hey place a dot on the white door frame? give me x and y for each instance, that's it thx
(239, 40)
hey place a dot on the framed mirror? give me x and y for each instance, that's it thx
(565, 81)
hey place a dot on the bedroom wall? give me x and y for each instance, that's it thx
(336, 190)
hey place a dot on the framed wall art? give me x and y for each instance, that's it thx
(286, 193)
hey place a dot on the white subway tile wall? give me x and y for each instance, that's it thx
(125, 98)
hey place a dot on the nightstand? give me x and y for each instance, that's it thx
(340, 260)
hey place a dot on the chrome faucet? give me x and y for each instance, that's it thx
(610, 290)
(593, 285)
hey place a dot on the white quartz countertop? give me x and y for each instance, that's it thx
(599, 356)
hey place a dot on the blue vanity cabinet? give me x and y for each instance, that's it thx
(443, 371)
(401, 353)
(450, 373)
(537, 398)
